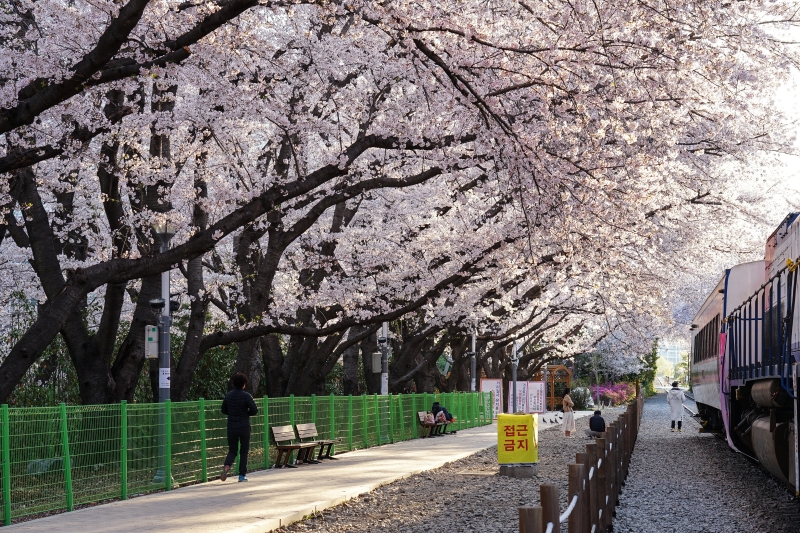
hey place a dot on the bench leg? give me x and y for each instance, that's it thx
(322, 451)
(278, 460)
(309, 457)
(286, 461)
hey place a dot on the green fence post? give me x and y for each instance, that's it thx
(378, 418)
(454, 402)
(413, 416)
(201, 407)
(364, 419)
(314, 408)
(123, 449)
(332, 418)
(65, 451)
(391, 419)
(402, 417)
(462, 411)
(266, 432)
(424, 401)
(168, 444)
(473, 412)
(6, 446)
(291, 409)
(349, 421)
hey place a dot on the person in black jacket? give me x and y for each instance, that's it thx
(239, 406)
(597, 426)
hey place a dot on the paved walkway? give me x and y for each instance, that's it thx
(271, 498)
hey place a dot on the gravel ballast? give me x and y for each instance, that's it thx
(678, 483)
(692, 482)
(465, 495)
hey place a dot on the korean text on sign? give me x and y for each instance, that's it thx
(517, 441)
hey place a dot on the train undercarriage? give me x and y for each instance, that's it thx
(762, 426)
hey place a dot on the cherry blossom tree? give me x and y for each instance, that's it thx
(532, 171)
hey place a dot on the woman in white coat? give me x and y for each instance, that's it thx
(569, 416)
(675, 399)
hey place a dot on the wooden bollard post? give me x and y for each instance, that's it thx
(549, 498)
(629, 447)
(612, 471)
(610, 492)
(591, 451)
(618, 456)
(625, 444)
(602, 483)
(612, 458)
(583, 458)
(577, 479)
(530, 519)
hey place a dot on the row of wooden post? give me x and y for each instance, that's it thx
(595, 481)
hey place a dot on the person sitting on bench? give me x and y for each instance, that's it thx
(436, 409)
(597, 426)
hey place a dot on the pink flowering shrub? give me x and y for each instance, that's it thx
(616, 393)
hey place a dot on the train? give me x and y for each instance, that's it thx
(744, 356)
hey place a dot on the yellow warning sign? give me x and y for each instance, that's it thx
(517, 439)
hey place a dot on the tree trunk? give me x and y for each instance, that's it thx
(350, 384)
(373, 379)
(272, 356)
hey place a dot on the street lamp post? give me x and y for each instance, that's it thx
(472, 364)
(164, 231)
(383, 342)
(514, 361)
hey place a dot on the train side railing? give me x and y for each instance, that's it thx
(758, 333)
(595, 481)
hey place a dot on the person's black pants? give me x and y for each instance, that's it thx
(679, 424)
(238, 443)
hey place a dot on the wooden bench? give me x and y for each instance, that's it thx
(284, 442)
(308, 434)
(430, 429)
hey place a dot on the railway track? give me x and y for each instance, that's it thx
(688, 394)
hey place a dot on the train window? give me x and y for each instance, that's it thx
(706, 345)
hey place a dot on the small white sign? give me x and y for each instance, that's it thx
(163, 378)
(494, 386)
(536, 397)
(151, 342)
(522, 397)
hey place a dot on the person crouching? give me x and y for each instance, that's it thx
(597, 426)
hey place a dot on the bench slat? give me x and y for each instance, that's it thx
(307, 431)
(282, 433)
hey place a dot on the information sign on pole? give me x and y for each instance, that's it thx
(151, 342)
(494, 386)
(522, 397)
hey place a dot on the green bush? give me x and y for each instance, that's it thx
(582, 398)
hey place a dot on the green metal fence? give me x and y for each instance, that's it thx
(54, 458)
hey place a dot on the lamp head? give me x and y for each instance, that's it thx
(164, 230)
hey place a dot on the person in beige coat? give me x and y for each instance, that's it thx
(569, 416)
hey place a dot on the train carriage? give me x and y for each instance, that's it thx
(745, 350)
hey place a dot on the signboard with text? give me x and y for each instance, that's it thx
(495, 386)
(537, 401)
(522, 397)
(517, 439)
